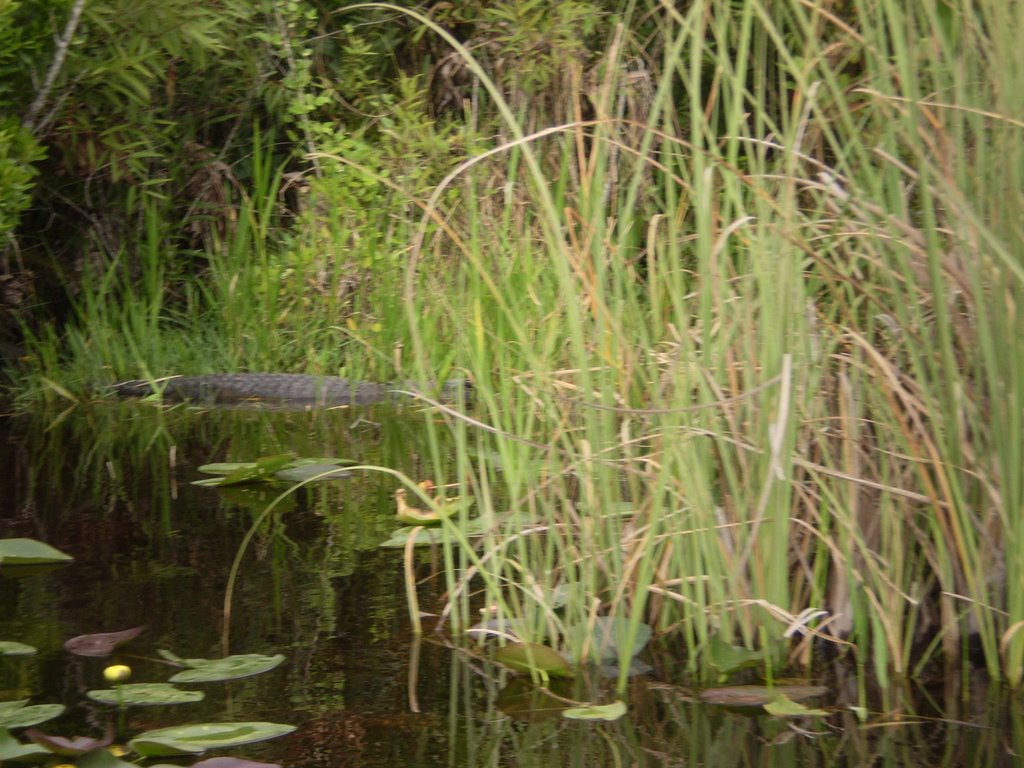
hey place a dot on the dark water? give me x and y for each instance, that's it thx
(110, 485)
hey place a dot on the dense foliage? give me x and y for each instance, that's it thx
(738, 282)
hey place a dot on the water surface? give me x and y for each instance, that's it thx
(111, 485)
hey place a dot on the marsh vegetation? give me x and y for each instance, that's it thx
(737, 284)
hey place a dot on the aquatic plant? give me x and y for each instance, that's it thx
(17, 555)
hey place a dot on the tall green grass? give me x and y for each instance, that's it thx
(743, 322)
(746, 344)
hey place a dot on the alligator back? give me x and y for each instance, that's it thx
(278, 388)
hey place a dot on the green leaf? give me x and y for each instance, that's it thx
(73, 747)
(399, 538)
(229, 668)
(303, 470)
(13, 750)
(14, 714)
(195, 739)
(759, 695)
(29, 552)
(259, 471)
(101, 758)
(295, 470)
(533, 658)
(607, 636)
(728, 658)
(100, 644)
(782, 706)
(12, 648)
(428, 535)
(609, 712)
(145, 695)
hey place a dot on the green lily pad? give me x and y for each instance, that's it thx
(30, 552)
(533, 658)
(73, 747)
(759, 695)
(145, 695)
(12, 648)
(100, 644)
(609, 712)
(14, 751)
(101, 758)
(14, 714)
(196, 739)
(400, 537)
(782, 706)
(257, 471)
(728, 658)
(229, 668)
(607, 635)
(291, 470)
(300, 473)
(429, 535)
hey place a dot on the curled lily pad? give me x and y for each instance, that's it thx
(759, 695)
(14, 714)
(72, 747)
(196, 739)
(145, 695)
(12, 648)
(781, 706)
(228, 668)
(14, 751)
(29, 552)
(100, 644)
(533, 658)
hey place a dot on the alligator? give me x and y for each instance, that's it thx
(287, 389)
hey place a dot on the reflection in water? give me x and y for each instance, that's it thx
(111, 486)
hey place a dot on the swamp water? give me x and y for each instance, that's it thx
(111, 485)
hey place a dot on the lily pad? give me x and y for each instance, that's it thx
(101, 758)
(231, 762)
(299, 473)
(728, 658)
(609, 712)
(759, 695)
(258, 471)
(282, 467)
(30, 552)
(196, 739)
(607, 636)
(12, 648)
(533, 658)
(145, 695)
(72, 747)
(400, 537)
(14, 714)
(229, 668)
(100, 644)
(782, 706)
(13, 750)
(428, 535)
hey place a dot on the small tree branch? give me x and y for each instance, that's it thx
(58, 61)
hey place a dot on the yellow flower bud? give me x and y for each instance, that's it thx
(117, 673)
